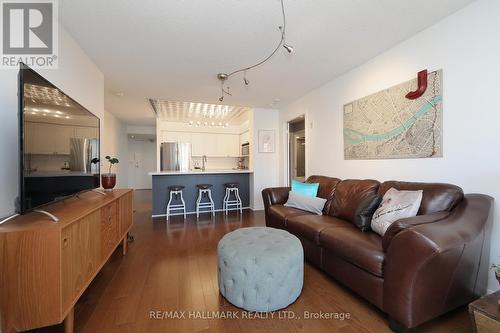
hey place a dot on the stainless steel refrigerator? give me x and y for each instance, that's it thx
(81, 153)
(175, 156)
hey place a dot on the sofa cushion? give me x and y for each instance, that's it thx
(395, 205)
(305, 202)
(310, 226)
(326, 189)
(362, 249)
(349, 194)
(310, 189)
(364, 212)
(280, 214)
(436, 197)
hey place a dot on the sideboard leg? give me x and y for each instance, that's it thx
(125, 244)
(69, 321)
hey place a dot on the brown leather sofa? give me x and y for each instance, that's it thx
(421, 268)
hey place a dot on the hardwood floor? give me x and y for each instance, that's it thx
(172, 267)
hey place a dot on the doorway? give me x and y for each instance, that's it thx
(297, 150)
(142, 160)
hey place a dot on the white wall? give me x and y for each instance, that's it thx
(466, 46)
(115, 144)
(265, 165)
(77, 76)
(133, 129)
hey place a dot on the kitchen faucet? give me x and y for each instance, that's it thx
(203, 160)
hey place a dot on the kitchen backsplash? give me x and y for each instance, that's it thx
(217, 163)
(48, 162)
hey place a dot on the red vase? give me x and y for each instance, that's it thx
(108, 181)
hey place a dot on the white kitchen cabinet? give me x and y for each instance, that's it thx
(204, 144)
(170, 136)
(50, 138)
(85, 132)
(244, 137)
(228, 145)
(28, 137)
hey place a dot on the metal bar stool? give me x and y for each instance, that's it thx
(232, 189)
(204, 190)
(176, 194)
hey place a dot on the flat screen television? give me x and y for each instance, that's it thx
(58, 143)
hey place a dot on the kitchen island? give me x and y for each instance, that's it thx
(189, 179)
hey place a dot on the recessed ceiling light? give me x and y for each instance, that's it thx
(119, 94)
(67, 117)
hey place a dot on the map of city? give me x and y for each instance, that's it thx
(387, 125)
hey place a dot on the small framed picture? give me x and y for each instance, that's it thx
(267, 142)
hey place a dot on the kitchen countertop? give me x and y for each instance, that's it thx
(198, 172)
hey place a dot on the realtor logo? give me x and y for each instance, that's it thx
(29, 33)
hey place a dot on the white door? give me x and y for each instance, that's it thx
(142, 161)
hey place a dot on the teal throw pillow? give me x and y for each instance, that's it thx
(305, 188)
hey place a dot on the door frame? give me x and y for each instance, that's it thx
(286, 145)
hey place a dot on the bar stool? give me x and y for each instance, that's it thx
(176, 194)
(204, 190)
(232, 189)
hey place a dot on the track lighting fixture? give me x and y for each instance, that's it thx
(287, 47)
(223, 77)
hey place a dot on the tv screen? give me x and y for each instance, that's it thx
(59, 143)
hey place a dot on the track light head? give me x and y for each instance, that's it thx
(221, 99)
(222, 76)
(287, 47)
(245, 80)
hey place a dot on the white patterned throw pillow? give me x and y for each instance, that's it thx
(395, 205)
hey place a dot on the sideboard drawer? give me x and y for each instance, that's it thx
(109, 229)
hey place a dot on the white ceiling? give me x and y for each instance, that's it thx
(174, 49)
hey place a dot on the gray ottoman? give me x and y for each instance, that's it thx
(260, 269)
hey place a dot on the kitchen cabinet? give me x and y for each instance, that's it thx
(227, 145)
(204, 144)
(85, 133)
(50, 138)
(244, 137)
(215, 145)
(170, 136)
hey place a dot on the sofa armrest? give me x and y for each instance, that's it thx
(406, 223)
(274, 196)
(432, 268)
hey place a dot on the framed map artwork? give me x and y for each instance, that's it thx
(387, 125)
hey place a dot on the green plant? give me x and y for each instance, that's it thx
(112, 160)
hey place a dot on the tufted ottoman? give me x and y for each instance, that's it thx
(260, 269)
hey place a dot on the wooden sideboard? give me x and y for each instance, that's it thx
(45, 266)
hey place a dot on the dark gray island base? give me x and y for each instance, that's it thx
(161, 182)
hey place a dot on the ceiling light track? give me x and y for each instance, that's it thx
(223, 77)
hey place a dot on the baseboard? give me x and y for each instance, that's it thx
(201, 212)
